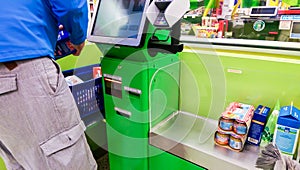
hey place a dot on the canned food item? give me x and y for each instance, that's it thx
(221, 138)
(239, 127)
(226, 124)
(235, 142)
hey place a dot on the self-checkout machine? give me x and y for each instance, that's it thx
(140, 71)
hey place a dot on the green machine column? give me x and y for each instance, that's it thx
(133, 88)
(140, 71)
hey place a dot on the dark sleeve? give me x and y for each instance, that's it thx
(73, 15)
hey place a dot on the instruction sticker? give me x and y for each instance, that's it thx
(285, 25)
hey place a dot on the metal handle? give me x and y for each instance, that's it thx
(134, 91)
(122, 112)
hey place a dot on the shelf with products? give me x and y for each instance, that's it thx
(271, 29)
(245, 45)
(247, 21)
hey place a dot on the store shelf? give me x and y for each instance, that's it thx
(264, 46)
(190, 137)
(243, 42)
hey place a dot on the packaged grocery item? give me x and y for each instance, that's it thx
(226, 124)
(97, 72)
(222, 138)
(237, 115)
(63, 45)
(240, 127)
(298, 154)
(257, 125)
(73, 80)
(287, 130)
(267, 135)
(236, 142)
(233, 126)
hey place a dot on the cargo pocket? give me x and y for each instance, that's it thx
(67, 150)
(8, 83)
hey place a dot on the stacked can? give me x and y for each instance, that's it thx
(233, 126)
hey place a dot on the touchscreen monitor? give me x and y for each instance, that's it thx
(119, 22)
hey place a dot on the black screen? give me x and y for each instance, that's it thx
(296, 27)
(263, 11)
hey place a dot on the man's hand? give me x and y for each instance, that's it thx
(78, 48)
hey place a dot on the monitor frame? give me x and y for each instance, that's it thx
(120, 41)
(262, 8)
(294, 35)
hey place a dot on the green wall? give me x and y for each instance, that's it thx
(89, 55)
(2, 166)
(210, 80)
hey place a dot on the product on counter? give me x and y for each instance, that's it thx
(287, 130)
(267, 135)
(236, 142)
(257, 125)
(233, 126)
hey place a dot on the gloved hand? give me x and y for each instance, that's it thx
(271, 158)
(286, 163)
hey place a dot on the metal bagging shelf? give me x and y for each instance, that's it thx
(191, 137)
(88, 95)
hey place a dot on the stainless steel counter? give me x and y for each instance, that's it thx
(191, 137)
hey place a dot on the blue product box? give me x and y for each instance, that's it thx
(63, 45)
(258, 124)
(287, 130)
(289, 116)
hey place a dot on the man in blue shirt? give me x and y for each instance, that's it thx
(40, 126)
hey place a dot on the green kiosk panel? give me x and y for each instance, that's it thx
(140, 76)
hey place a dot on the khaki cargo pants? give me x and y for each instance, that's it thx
(40, 126)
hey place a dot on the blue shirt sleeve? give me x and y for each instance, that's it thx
(73, 15)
